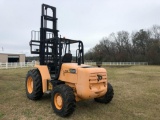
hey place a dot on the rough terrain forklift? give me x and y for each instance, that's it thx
(66, 77)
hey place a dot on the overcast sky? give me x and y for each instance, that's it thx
(86, 20)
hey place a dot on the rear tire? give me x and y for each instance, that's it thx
(63, 100)
(34, 85)
(107, 97)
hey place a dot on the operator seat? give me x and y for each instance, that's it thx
(67, 58)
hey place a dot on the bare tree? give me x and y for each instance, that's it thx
(155, 31)
(143, 45)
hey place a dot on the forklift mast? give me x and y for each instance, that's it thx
(45, 55)
(49, 46)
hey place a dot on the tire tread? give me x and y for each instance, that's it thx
(69, 102)
(37, 85)
(107, 97)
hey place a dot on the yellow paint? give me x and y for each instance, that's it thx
(58, 101)
(65, 74)
(84, 81)
(88, 85)
(30, 84)
(45, 75)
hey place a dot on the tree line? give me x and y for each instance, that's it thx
(139, 46)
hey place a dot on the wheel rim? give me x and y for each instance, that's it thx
(30, 84)
(58, 101)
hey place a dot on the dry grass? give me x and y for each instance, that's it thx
(137, 97)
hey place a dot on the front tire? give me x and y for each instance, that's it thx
(107, 97)
(63, 100)
(33, 85)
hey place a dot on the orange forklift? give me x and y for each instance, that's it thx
(66, 77)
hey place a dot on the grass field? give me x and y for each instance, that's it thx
(137, 97)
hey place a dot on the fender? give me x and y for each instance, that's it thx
(45, 75)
